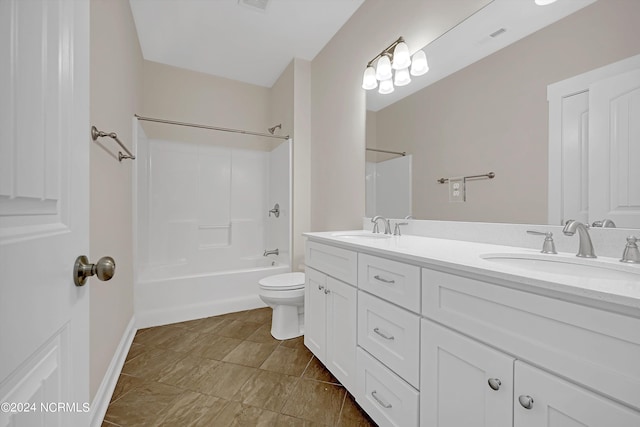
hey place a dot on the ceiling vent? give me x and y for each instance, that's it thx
(260, 5)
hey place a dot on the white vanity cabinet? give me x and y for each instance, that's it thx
(442, 346)
(330, 310)
(588, 347)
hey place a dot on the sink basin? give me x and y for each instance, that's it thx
(575, 267)
(361, 235)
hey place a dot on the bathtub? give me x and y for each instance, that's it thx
(176, 293)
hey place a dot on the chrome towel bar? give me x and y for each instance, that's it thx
(489, 175)
(95, 134)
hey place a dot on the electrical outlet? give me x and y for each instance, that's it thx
(456, 190)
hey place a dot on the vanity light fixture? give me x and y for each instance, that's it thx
(394, 67)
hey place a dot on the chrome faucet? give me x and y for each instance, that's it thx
(387, 226)
(585, 249)
(272, 252)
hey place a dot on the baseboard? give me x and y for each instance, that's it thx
(102, 398)
(149, 318)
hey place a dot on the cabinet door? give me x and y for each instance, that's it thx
(315, 310)
(463, 382)
(558, 403)
(341, 332)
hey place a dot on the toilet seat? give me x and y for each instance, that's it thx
(283, 282)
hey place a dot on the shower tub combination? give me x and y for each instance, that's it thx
(203, 223)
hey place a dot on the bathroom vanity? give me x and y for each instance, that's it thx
(436, 332)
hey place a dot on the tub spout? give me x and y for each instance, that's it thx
(271, 252)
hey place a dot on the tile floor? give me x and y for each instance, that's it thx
(227, 371)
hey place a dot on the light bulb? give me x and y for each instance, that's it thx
(383, 69)
(369, 79)
(401, 58)
(386, 87)
(544, 2)
(419, 64)
(402, 77)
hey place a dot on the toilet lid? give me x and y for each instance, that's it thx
(284, 282)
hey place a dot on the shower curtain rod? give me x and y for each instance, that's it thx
(195, 125)
(404, 153)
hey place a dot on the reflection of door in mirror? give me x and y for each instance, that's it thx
(594, 152)
(388, 187)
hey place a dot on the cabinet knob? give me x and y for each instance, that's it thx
(526, 401)
(494, 383)
(320, 287)
(326, 291)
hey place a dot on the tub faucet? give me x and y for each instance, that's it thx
(387, 226)
(585, 248)
(272, 252)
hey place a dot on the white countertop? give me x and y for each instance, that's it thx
(467, 259)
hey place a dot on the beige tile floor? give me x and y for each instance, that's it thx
(227, 371)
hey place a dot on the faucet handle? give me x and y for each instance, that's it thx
(631, 252)
(548, 247)
(605, 223)
(396, 230)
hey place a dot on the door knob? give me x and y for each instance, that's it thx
(105, 268)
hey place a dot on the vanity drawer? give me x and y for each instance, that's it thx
(339, 263)
(591, 346)
(394, 281)
(387, 399)
(391, 334)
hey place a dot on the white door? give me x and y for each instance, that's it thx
(463, 382)
(614, 153)
(544, 400)
(44, 212)
(594, 146)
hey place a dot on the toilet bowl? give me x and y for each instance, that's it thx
(285, 294)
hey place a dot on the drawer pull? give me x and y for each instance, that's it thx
(381, 402)
(382, 334)
(526, 401)
(494, 383)
(383, 280)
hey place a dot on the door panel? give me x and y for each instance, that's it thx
(559, 403)
(315, 308)
(575, 158)
(341, 332)
(614, 129)
(454, 384)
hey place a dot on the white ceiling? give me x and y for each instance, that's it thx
(228, 39)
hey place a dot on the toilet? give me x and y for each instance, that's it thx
(285, 294)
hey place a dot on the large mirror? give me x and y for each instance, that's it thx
(493, 116)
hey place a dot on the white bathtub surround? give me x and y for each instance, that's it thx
(524, 345)
(203, 225)
(608, 242)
